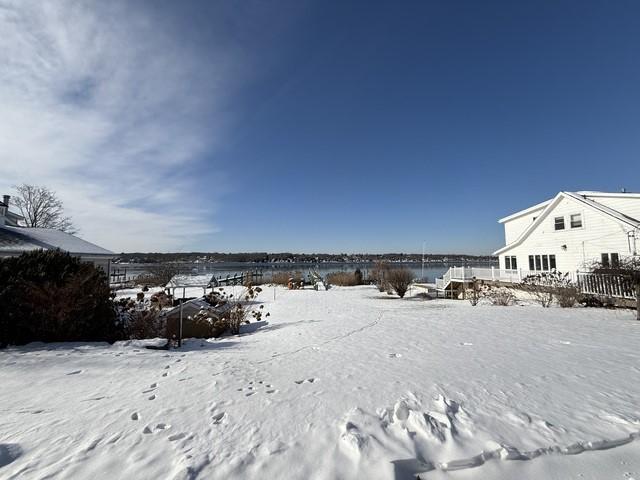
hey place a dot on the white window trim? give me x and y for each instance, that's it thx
(564, 217)
(581, 213)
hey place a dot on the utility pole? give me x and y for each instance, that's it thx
(422, 273)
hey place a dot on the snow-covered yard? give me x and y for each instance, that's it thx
(347, 383)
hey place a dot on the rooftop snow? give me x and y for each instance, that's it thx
(20, 239)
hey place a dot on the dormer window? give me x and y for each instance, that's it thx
(576, 220)
(559, 223)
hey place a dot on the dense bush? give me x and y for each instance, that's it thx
(344, 279)
(399, 279)
(50, 296)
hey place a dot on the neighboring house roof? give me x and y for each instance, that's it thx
(12, 218)
(22, 239)
(551, 204)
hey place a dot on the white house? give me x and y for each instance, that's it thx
(571, 232)
(16, 239)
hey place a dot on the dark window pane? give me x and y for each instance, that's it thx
(576, 221)
(559, 223)
(538, 263)
(552, 262)
(615, 261)
(514, 263)
(605, 259)
(545, 262)
(531, 265)
(507, 263)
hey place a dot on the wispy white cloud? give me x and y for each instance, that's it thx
(101, 102)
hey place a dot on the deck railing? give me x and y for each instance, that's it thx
(607, 285)
(466, 274)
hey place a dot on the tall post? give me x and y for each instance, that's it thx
(422, 272)
(180, 326)
(493, 273)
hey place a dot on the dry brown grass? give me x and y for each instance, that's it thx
(283, 278)
(343, 279)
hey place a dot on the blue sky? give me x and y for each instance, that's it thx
(318, 126)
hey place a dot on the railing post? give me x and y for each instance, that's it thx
(519, 274)
(493, 273)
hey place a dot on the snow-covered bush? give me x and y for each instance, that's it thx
(51, 296)
(399, 279)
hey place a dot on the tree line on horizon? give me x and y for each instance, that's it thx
(264, 257)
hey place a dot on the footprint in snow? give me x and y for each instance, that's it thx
(164, 374)
(466, 344)
(135, 416)
(395, 355)
(152, 397)
(75, 372)
(177, 436)
(217, 418)
(308, 380)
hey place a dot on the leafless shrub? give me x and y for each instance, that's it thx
(474, 294)
(239, 309)
(501, 296)
(545, 286)
(568, 296)
(158, 275)
(399, 279)
(143, 324)
(379, 276)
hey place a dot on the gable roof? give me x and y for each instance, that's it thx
(551, 204)
(22, 239)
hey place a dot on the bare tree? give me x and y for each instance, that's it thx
(41, 207)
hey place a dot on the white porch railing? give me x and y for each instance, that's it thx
(607, 285)
(466, 274)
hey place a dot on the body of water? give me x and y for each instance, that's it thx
(222, 269)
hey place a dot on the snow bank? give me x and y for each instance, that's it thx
(345, 383)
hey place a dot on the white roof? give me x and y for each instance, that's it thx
(22, 239)
(184, 280)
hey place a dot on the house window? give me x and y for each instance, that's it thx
(532, 265)
(545, 262)
(576, 220)
(510, 263)
(552, 262)
(615, 261)
(538, 263)
(604, 259)
(559, 223)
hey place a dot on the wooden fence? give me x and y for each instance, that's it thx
(607, 285)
